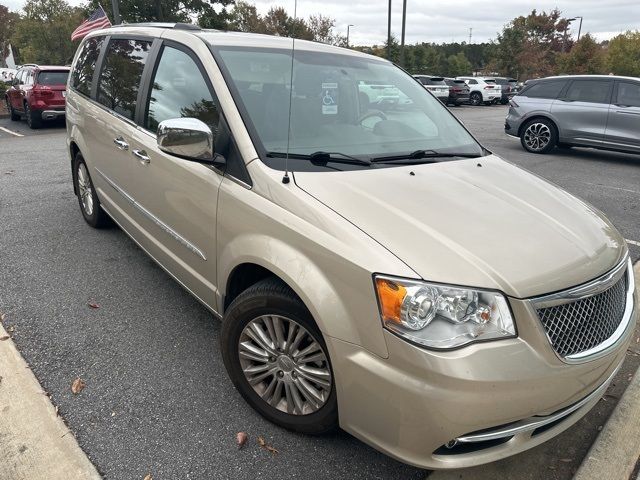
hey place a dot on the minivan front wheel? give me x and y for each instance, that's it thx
(539, 136)
(278, 360)
(87, 196)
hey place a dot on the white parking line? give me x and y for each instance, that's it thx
(632, 242)
(10, 132)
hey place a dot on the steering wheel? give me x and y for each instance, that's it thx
(370, 114)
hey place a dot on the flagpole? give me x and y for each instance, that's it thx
(116, 12)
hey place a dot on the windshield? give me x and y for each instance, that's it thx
(53, 78)
(357, 106)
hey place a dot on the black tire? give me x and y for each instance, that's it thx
(95, 216)
(272, 297)
(34, 119)
(475, 99)
(15, 116)
(545, 130)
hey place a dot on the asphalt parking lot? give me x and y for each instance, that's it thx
(158, 399)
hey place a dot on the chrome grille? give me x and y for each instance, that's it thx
(583, 324)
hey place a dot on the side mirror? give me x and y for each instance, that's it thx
(187, 138)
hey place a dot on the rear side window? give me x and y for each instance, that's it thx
(592, 91)
(490, 81)
(121, 73)
(628, 94)
(473, 81)
(85, 65)
(53, 78)
(179, 90)
(550, 89)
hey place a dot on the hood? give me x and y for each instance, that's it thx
(476, 222)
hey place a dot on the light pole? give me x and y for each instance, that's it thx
(389, 33)
(348, 27)
(404, 23)
(564, 40)
(116, 12)
(579, 28)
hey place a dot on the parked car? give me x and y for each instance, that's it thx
(378, 271)
(482, 90)
(508, 87)
(37, 92)
(7, 74)
(436, 85)
(598, 111)
(458, 92)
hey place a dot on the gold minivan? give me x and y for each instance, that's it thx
(374, 267)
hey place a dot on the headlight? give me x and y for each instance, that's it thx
(442, 316)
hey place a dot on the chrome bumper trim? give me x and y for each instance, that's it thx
(532, 423)
(49, 114)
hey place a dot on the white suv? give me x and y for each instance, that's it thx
(436, 85)
(482, 90)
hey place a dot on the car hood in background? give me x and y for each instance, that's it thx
(475, 222)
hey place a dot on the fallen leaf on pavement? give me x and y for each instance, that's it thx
(5, 337)
(93, 305)
(77, 385)
(264, 445)
(566, 460)
(11, 329)
(148, 477)
(9, 172)
(2, 317)
(241, 439)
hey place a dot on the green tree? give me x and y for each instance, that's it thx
(623, 54)
(529, 45)
(43, 32)
(8, 22)
(458, 65)
(137, 11)
(586, 57)
(245, 18)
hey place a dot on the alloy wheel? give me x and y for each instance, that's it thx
(285, 365)
(537, 136)
(85, 190)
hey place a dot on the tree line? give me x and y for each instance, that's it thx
(528, 46)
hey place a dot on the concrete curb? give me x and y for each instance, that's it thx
(35, 442)
(616, 450)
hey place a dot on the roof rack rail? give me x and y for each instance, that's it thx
(176, 26)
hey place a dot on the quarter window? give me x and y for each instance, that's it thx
(549, 89)
(592, 91)
(121, 74)
(628, 94)
(82, 76)
(179, 90)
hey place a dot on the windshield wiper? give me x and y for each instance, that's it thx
(323, 157)
(423, 154)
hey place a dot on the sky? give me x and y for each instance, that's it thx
(439, 21)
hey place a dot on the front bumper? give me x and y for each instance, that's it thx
(414, 404)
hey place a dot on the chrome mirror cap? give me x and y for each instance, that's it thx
(187, 138)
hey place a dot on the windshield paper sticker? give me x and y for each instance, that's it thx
(329, 98)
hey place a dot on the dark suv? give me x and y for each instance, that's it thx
(458, 92)
(37, 92)
(509, 88)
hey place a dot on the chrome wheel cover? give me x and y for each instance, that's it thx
(537, 136)
(84, 189)
(285, 365)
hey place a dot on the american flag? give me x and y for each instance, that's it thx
(97, 20)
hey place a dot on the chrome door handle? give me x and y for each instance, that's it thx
(120, 143)
(142, 156)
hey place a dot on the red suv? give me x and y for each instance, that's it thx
(37, 92)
